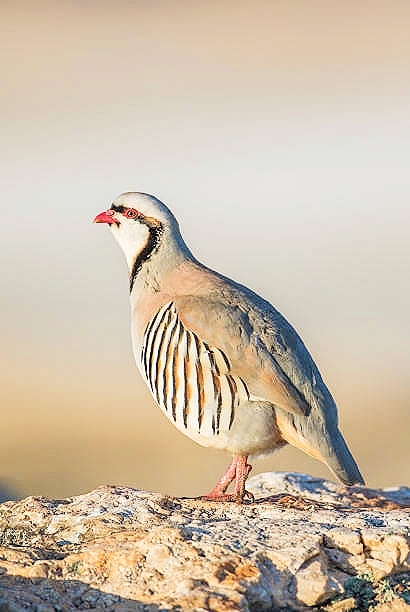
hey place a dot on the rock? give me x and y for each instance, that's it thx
(304, 543)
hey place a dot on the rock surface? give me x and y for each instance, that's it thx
(304, 543)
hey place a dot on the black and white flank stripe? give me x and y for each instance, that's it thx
(190, 380)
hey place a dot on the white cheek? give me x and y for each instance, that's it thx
(132, 238)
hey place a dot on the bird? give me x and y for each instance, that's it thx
(223, 365)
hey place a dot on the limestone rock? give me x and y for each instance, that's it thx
(304, 543)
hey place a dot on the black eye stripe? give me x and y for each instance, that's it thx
(116, 208)
(128, 212)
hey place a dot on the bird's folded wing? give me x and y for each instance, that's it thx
(230, 329)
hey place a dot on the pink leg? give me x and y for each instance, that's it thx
(237, 473)
(242, 471)
(225, 480)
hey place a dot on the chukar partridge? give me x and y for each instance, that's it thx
(223, 365)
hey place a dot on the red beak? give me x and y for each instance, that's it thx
(105, 217)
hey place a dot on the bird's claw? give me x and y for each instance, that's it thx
(222, 497)
(247, 496)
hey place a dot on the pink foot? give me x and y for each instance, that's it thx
(237, 473)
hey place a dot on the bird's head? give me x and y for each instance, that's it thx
(142, 225)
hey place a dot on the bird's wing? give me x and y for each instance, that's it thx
(265, 351)
(251, 343)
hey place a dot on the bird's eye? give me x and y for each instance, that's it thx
(131, 213)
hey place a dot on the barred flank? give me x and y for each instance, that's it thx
(190, 380)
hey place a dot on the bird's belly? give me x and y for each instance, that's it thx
(253, 431)
(248, 428)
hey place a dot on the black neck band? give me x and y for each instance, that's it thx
(152, 244)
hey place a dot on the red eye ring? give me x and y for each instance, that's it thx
(131, 213)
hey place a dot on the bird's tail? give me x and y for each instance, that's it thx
(339, 459)
(321, 442)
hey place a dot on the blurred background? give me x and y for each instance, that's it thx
(279, 134)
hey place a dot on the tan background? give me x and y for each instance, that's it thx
(279, 133)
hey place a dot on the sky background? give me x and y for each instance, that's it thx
(279, 134)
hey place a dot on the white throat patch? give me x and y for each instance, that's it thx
(132, 237)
